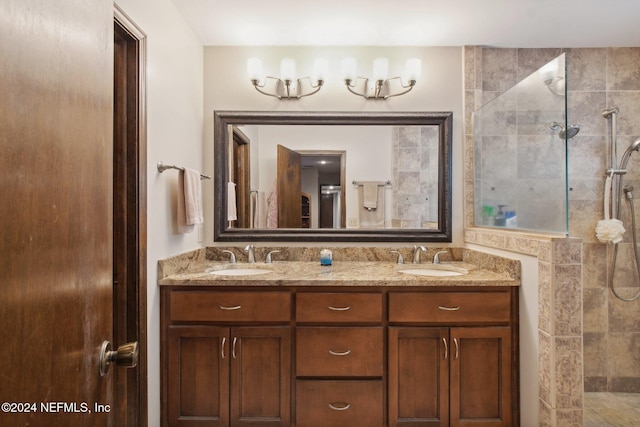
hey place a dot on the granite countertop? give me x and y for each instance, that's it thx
(341, 273)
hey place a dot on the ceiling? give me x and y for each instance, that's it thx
(498, 23)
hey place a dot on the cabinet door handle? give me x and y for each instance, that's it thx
(339, 353)
(446, 348)
(442, 307)
(232, 307)
(344, 406)
(233, 347)
(224, 342)
(339, 308)
(455, 341)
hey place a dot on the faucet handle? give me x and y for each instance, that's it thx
(436, 257)
(232, 256)
(268, 259)
(400, 258)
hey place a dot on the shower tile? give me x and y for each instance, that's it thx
(623, 315)
(594, 384)
(546, 372)
(529, 60)
(569, 418)
(629, 104)
(595, 310)
(567, 312)
(624, 354)
(568, 372)
(585, 110)
(545, 415)
(586, 189)
(567, 251)
(587, 157)
(583, 217)
(586, 69)
(594, 265)
(627, 385)
(469, 67)
(595, 354)
(623, 71)
(499, 69)
(545, 298)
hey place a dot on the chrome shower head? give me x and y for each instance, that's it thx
(568, 133)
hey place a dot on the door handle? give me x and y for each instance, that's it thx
(126, 355)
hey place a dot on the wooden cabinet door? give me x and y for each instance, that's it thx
(260, 376)
(198, 376)
(418, 376)
(481, 377)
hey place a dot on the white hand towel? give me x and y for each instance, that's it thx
(370, 195)
(181, 217)
(192, 197)
(232, 213)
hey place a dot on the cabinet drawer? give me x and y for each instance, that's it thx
(446, 307)
(338, 307)
(347, 351)
(339, 403)
(230, 306)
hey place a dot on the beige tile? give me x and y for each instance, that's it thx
(499, 69)
(585, 110)
(545, 297)
(567, 306)
(586, 69)
(622, 69)
(595, 265)
(568, 373)
(624, 354)
(530, 60)
(595, 354)
(595, 310)
(629, 104)
(546, 373)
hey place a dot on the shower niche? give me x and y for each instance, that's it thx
(520, 154)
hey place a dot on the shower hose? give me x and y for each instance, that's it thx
(635, 252)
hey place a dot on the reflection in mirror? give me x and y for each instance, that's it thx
(332, 176)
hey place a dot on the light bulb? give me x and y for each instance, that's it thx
(349, 69)
(413, 69)
(380, 69)
(254, 69)
(320, 68)
(288, 69)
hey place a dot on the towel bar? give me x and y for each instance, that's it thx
(162, 167)
(387, 182)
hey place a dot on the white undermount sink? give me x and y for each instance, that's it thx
(435, 270)
(240, 272)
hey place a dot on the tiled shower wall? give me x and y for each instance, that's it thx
(598, 78)
(415, 176)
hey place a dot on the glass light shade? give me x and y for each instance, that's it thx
(320, 69)
(413, 69)
(349, 69)
(380, 69)
(254, 69)
(288, 69)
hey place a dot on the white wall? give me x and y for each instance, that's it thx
(227, 87)
(174, 135)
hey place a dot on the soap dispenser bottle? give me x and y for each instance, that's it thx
(501, 219)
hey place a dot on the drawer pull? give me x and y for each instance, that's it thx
(455, 341)
(229, 308)
(224, 341)
(339, 353)
(340, 308)
(233, 349)
(344, 406)
(442, 307)
(446, 348)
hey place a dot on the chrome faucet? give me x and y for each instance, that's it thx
(232, 257)
(416, 253)
(400, 258)
(436, 257)
(269, 258)
(251, 254)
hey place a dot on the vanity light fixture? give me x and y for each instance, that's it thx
(287, 86)
(380, 86)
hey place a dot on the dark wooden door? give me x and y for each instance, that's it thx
(198, 376)
(260, 376)
(56, 216)
(481, 377)
(289, 188)
(419, 377)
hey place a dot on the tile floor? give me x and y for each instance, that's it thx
(611, 409)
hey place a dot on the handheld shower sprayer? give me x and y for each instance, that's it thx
(628, 191)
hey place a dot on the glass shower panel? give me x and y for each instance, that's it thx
(520, 157)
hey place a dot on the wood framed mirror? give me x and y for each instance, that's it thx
(406, 156)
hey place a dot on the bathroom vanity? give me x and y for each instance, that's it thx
(356, 344)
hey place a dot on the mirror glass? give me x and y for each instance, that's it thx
(285, 176)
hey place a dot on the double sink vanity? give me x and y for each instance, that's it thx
(366, 341)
